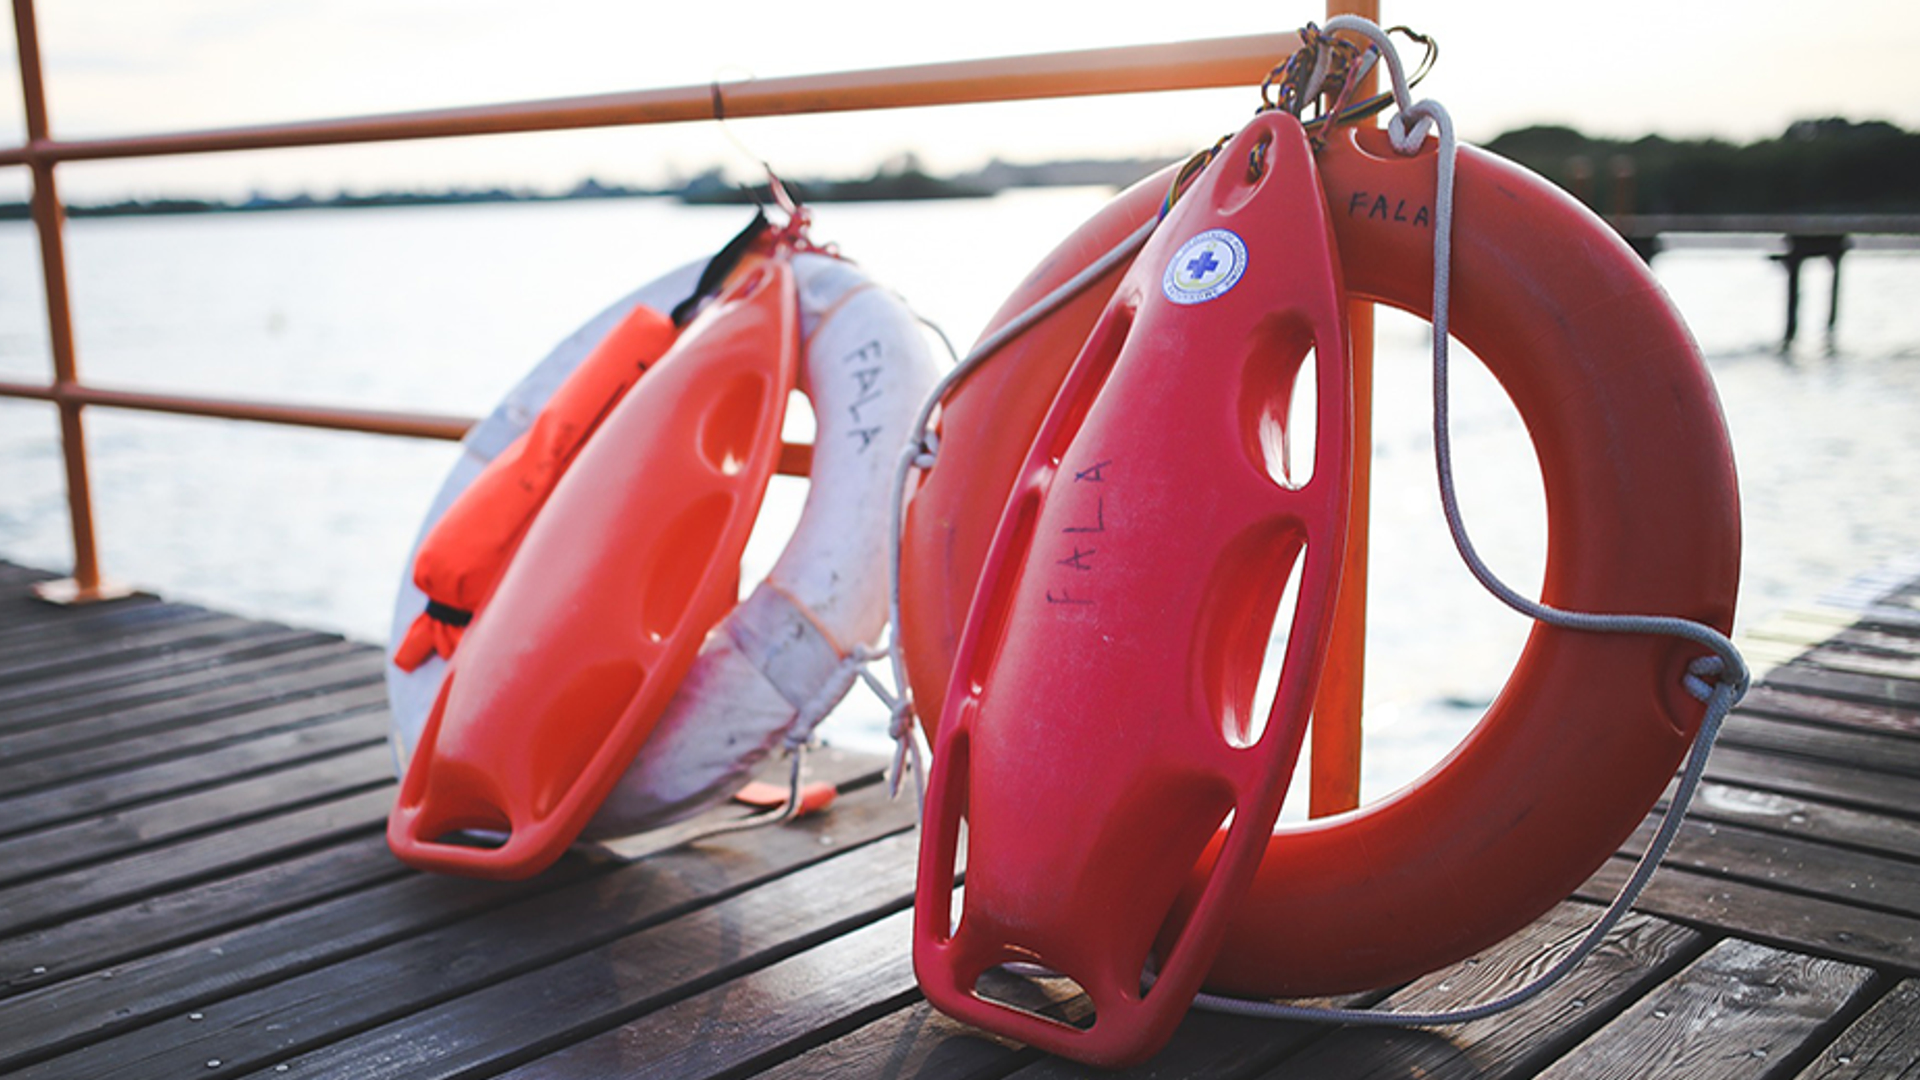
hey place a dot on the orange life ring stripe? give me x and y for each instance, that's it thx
(1642, 517)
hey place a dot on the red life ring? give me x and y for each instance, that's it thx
(1643, 517)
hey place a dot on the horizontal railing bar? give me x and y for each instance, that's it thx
(1187, 65)
(795, 460)
(370, 421)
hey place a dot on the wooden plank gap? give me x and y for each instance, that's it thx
(1882, 1043)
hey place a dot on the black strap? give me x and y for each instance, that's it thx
(719, 267)
(448, 614)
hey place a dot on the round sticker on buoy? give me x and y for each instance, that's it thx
(1204, 267)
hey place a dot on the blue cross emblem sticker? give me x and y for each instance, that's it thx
(1206, 266)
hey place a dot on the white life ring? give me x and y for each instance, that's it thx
(776, 665)
(780, 661)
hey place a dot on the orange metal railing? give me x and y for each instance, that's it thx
(1219, 62)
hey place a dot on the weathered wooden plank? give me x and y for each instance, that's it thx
(1636, 955)
(1742, 1011)
(231, 906)
(1874, 663)
(56, 898)
(48, 655)
(1827, 782)
(1806, 924)
(1790, 815)
(1884, 1044)
(914, 1040)
(134, 668)
(64, 1016)
(1844, 747)
(1892, 618)
(191, 915)
(26, 621)
(1867, 637)
(524, 986)
(31, 653)
(106, 836)
(13, 574)
(299, 676)
(755, 1019)
(852, 999)
(1895, 690)
(29, 726)
(68, 778)
(1769, 700)
(1791, 864)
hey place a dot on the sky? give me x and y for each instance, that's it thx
(1733, 70)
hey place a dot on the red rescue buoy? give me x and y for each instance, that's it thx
(1099, 724)
(634, 558)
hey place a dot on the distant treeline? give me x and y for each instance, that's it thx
(1816, 166)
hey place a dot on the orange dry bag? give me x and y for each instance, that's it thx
(462, 558)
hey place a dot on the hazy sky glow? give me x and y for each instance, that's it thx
(115, 67)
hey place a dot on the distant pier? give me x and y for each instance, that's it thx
(1805, 236)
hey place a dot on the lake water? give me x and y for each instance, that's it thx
(443, 308)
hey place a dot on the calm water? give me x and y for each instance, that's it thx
(442, 309)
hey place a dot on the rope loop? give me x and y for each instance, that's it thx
(927, 449)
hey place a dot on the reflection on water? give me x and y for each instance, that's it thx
(441, 309)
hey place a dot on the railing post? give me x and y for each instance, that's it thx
(49, 221)
(1334, 752)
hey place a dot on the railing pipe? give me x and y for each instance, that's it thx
(1187, 65)
(48, 221)
(1333, 754)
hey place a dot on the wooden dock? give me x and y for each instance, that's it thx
(1801, 236)
(194, 882)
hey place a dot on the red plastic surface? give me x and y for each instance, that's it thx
(634, 558)
(985, 429)
(1098, 727)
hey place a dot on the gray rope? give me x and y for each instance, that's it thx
(922, 450)
(1407, 131)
